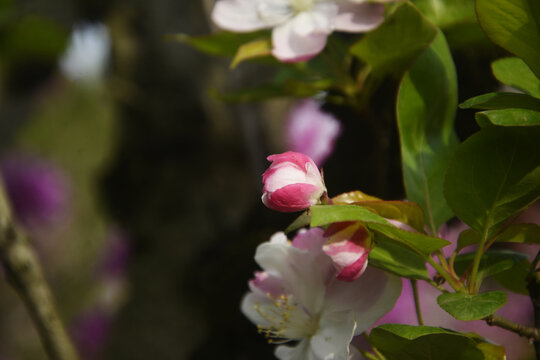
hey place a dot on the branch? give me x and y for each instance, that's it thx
(524, 331)
(24, 274)
(533, 285)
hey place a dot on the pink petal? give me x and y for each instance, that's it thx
(311, 240)
(237, 15)
(290, 156)
(264, 283)
(291, 47)
(291, 198)
(358, 17)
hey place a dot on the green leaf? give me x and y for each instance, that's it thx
(494, 174)
(513, 25)
(426, 106)
(394, 45)
(493, 262)
(251, 50)
(515, 278)
(407, 212)
(398, 259)
(492, 351)
(515, 233)
(471, 307)
(218, 44)
(514, 72)
(407, 342)
(495, 101)
(508, 117)
(447, 13)
(421, 244)
(301, 221)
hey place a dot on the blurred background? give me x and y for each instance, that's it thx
(141, 191)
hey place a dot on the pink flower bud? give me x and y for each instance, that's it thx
(348, 246)
(292, 182)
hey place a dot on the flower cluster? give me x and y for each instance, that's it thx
(298, 297)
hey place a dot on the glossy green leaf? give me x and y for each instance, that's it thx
(515, 278)
(218, 44)
(514, 72)
(471, 307)
(398, 259)
(508, 117)
(494, 174)
(513, 25)
(407, 212)
(426, 106)
(447, 13)
(251, 50)
(407, 342)
(515, 233)
(495, 101)
(394, 45)
(492, 351)
(420, 243)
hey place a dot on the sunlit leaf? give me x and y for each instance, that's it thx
(398, 259)
(514, 72)
(251, 50)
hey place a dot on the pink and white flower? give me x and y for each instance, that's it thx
(292, 182)
(298, 298)
(300, 27)
(311, 131)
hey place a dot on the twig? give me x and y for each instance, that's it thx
(524, 331)
(417, 302)
(24, 274)
(533, 285)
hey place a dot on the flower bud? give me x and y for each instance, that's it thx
(292, 182)
(348, 245)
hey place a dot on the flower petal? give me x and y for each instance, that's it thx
(237, 15)
(311, 240)
(291, 198)
(354, 17)
(371, 296)
(292, 47)
(336, 330)
(302, 351)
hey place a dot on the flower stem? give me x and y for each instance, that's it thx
(473, 288)
(24, 274)
(417, 302)
(455, 284)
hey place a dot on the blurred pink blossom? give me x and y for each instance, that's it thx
(311, 131)
(300, 27)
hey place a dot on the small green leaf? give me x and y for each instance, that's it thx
(508, 117)
(407, 342)
(514, 72)
(492, 262)
(494, 174)
(398, 259)
(496, 101)
(407, 212)
(447, 13)
(515, 233)
(426, 107)
(513, 25)
(515, 278)
(251, 50)
(301, 221)
(471, 307)
(492, 351)
(218, 44)
(400, 39)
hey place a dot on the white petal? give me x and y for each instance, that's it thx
(335, 333)
(291, 47)
(237, 15)
(303, 272)
(370, 296)
(284, 175)
(358, 17)
(248, 305)
(301, 351)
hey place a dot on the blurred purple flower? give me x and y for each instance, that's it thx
(90, 331)
(116, 254)
(311, 131)
(37, 189)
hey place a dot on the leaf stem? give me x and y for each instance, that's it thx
(24, 274)
(473, 289)
(455, 284)
(522, 330)
(417, 302)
